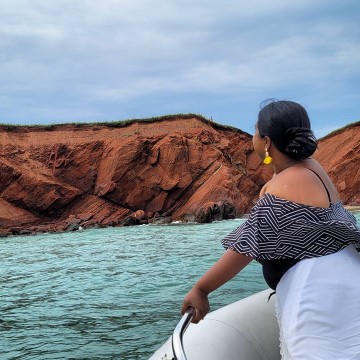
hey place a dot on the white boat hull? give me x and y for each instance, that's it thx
(244, 330)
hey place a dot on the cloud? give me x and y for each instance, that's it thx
(92, 56)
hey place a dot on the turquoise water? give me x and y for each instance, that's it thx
(106, 293)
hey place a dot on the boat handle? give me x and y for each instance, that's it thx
(177, 337)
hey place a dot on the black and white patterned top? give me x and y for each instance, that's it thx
(282, 229)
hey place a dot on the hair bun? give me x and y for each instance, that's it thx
(287, 124)
(299, 143)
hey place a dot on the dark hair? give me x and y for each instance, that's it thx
(287, 124)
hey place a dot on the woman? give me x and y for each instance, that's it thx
(305, 240)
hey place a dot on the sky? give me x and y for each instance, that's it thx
(67, 61)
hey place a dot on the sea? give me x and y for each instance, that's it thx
(111, 293)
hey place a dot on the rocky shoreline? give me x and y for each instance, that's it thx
(352, 208)
(175, 168)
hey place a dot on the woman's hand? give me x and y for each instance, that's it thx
(222, 271)
(199, 301)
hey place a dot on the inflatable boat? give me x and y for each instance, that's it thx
(244, 330)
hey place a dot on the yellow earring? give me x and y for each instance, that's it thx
(268, 159)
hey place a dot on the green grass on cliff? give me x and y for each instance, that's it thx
(124, 123)
(120, 123)
(340, 130)
(115, 123)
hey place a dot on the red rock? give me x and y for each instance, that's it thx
(174, 168)
(339, 153)
(139, 214)
(84, 216)
(11, 215)
(5, 233)
(72, 220)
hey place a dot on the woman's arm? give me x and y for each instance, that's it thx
(230, 264)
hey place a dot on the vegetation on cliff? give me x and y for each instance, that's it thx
(178, 167)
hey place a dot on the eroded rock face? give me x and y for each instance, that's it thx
(182, 168)
(339, 154)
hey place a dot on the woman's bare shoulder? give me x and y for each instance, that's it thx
(300, 185)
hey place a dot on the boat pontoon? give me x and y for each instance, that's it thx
(244, 330)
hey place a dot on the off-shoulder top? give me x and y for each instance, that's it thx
(281, 233)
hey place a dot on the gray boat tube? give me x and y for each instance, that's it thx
(244, 330)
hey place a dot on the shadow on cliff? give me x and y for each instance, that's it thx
(172, 168)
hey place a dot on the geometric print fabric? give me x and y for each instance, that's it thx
(280, 229)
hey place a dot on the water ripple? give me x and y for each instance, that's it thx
(106, 293)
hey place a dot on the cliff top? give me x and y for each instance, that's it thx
(117, 124)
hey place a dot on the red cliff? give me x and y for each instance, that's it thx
(171, 168)
(339, 153)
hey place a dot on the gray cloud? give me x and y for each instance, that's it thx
(63, 60)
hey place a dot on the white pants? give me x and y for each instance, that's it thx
(318, 308)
